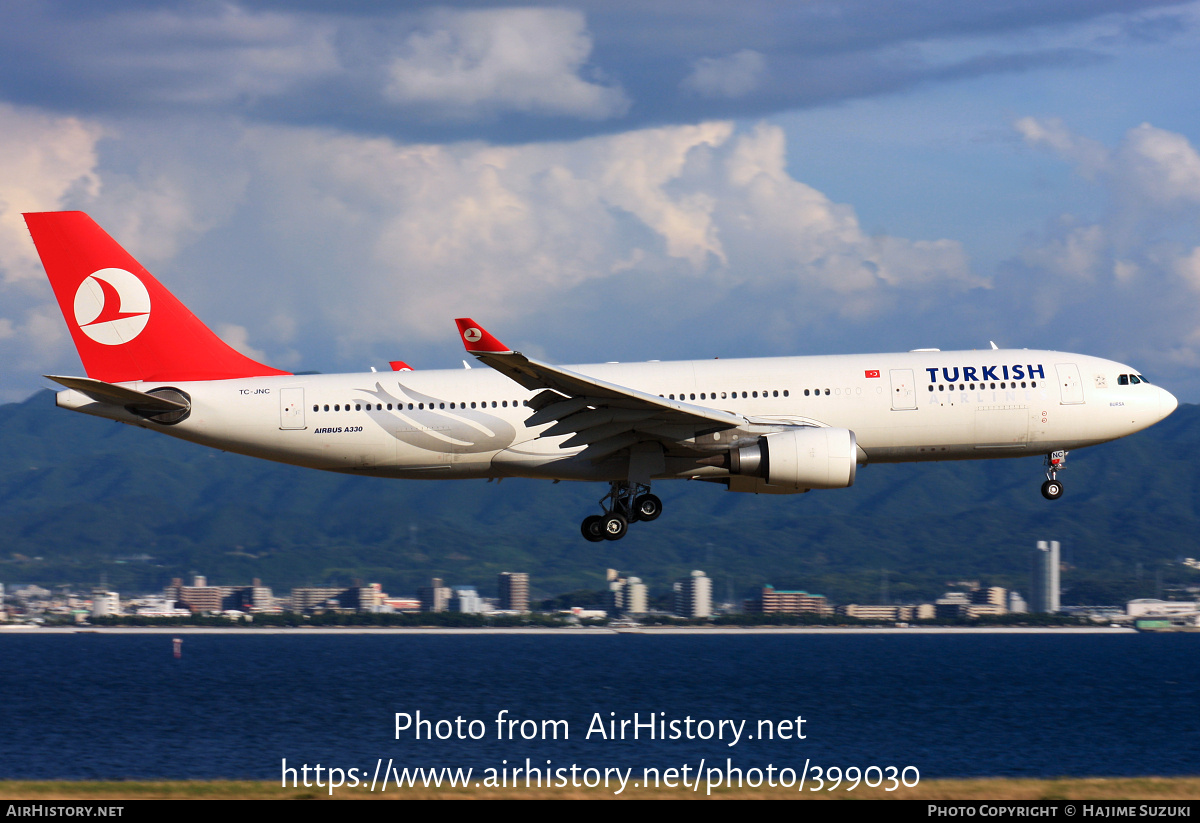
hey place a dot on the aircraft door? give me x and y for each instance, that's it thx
(904, 394)
(1069, 383)
(291, 409)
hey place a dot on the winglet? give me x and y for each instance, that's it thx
(477, 340)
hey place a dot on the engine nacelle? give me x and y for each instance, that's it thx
(801, 458)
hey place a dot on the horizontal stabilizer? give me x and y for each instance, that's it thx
(115, 395)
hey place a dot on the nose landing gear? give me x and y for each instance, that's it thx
(1055, 462)
(625, 503)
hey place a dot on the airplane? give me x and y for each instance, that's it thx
(779, 425)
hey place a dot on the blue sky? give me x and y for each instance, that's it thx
(329, 184)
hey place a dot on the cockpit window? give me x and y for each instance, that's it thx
(1122, 380)
(1143, 379)
(1133, 378)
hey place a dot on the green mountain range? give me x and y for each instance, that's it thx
(84, 500)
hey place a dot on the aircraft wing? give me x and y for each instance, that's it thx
(604, 417)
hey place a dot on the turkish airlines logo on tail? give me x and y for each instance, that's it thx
(472, 335)
(112, 306)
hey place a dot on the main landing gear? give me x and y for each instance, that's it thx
(625, 503)
(1055, 462)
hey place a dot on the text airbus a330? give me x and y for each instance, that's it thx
(779, 425)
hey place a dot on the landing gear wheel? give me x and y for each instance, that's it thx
(1052, 490)
(593, 528)
(614, 526)
(647, 507)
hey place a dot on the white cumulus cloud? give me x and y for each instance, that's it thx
(45, 161)
(297, 243)
(1135, 264)
(479, 62)
(433, 231)
(1160, 166)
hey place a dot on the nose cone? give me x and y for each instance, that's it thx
(1166, 403)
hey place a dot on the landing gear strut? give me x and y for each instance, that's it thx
(625, 503)
(1055, 462)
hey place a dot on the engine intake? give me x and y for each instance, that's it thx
(800, 458)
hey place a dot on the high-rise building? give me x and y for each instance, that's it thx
(626, 595)
(883, 613)
(434, 597)
(105, 603)
(693, 596)
(514, 591)
(780, 601)
(952, 605)
(466, 600)
(1045, 587)
(993, 596)
(255, 597)
(312, 597)
(199, 598)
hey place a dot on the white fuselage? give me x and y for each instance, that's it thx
(924, 405)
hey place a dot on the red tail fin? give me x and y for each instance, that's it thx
(125, 325)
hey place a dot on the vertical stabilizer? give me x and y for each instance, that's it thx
(125, 324)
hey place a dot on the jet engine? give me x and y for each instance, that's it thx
(801, 458)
